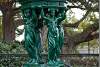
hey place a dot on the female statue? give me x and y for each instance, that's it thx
(55, 35)
(32, 35)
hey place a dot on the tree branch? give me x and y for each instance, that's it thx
(88, 34)
(90, 37)
(76, 7)
(76, 24)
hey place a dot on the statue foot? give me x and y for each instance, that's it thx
(51, 63)
(31, 63)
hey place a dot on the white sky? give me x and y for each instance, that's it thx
(0, 13)
(78, 13)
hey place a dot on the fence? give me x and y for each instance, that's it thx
(74, 60)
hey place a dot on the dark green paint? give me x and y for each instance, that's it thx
(52, 13)
(55, 34)
(32, 35)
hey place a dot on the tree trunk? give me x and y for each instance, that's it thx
(8, 26)
(1, 28)
(68, 49)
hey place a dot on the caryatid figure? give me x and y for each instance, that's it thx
(60, 17)
(32, 35)
(55, 35)
(30, 10)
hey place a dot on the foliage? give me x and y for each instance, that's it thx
(76, 30)
(11, 48)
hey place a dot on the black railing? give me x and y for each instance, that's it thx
(75, 60)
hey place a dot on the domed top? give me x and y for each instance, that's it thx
(27, 1)
(39, 3)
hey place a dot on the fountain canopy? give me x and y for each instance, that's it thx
(42, 3)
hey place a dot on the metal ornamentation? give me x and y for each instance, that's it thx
(52, 13)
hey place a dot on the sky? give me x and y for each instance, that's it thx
(77, 12)
(78, 15)
(0, 13)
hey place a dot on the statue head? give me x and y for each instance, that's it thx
(27, 13)
(52, 12)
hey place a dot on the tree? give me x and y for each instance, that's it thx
(90, 32)
(8, 26)
(0, 27)
(71, 41)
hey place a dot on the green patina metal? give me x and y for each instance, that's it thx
(32, 35)
(55, 34)
(52, 12)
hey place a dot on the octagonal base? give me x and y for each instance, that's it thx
(31, 65)
(42, 65)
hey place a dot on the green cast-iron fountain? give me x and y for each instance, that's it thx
(51, 12)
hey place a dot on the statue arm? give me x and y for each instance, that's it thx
(62, 17)
(44, 17)
(47, 19)
(59, 19)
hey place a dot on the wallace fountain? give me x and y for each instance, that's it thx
(51, 13)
